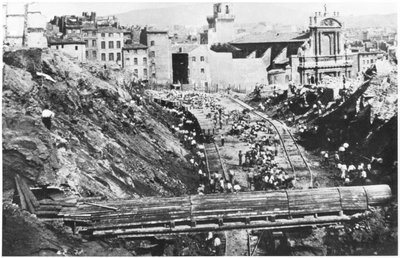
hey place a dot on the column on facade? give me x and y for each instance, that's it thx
(319, 41)
(316, 42)
(334, 43)
(338, 42)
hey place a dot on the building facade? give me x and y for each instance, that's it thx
(190, 63)
(160, 57)
(135, 60)
(324, 53)
(89, 35)
(110, 42)
(73, 47)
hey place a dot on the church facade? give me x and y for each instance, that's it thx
(324, 53)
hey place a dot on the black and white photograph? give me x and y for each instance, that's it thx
(199, 128)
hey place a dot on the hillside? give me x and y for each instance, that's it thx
(102, 143)
(195, 14)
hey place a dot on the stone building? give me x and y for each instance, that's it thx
(110, 41)
(190, 64)
(159, 51)
(364, 60)
(74, 47)
(89, 34)
(135, 60)
(324, 53)
(220, 24)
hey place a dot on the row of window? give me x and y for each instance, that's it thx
(112, 34)
(135, 60)
(367, 61)
(110, 44)
(201, 59)
(93, 33)
(110, 57)
(94, 54)
(136, 71)
(94, 43)
(62, 46)
(201, 71)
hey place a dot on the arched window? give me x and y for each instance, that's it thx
(226, 9)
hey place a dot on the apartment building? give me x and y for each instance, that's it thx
(110, 41)
(135, 60)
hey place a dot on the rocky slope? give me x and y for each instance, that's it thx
(102, 142)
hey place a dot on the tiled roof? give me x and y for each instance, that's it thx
(268, 37)
(134, 46)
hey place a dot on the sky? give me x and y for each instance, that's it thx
(102, 8)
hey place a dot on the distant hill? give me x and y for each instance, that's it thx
(195, 14)
(363, 21)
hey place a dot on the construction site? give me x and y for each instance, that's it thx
(98, 163)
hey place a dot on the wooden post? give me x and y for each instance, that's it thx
(20, 194)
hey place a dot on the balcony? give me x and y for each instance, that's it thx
(325, 62)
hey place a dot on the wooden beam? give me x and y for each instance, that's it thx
(102, 206)
(29, 193)
(20, 194)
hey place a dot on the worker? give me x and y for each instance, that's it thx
(229, 187)
(222, 140)
(217, 245)
(47, 115)
(237, 187)
(231, 175)
(240, 157)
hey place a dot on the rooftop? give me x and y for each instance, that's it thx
(134, 46)
(271, 37)
(109, 29)
(65, 41)
(186, 48)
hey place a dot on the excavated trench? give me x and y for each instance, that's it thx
(106, 144)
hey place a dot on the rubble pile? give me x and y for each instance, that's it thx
(104, 140)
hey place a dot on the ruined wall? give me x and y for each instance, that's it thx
(249, 71)
(76, 51)
(221, 68)
(236, 72)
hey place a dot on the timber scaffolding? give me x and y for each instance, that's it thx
(259, 210)
(299, 166)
